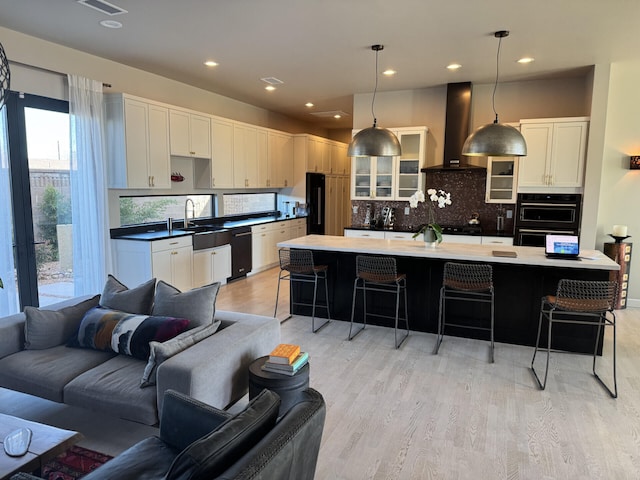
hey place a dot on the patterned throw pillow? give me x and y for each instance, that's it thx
(125, 333)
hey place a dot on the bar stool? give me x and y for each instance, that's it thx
(298, 266)
(469, 283)
(579, 302)
(379, 274)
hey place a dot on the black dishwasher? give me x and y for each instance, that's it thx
(240, 252)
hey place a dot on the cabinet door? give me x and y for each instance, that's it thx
(159, 160)
(161, 265)
(200, 136)
(136, 143)
(258, 247)
(384, 181)
(182, 268)
(221, 263)
(502, 174)
(361, 178)
(534, 168)
(568, 147)
(179, 136)
(284, 164)
(221, 154)
(202, 268)
(408, 175)
(260, 175)
(245, 156)
(330, 220)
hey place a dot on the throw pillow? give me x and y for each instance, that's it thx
(209, 456)
(162, 351)
(125, 333)
(197, 305)
(49, 328)
(137, 300)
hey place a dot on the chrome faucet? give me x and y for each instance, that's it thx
(186, 211)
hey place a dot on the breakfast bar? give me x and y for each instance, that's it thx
(520, 282)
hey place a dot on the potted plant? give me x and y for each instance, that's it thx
(431, 230)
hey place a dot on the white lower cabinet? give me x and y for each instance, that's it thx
(170, 259)
(469, 239)
(211, 265)
(265, 239)
(400, 236)
(363, 233)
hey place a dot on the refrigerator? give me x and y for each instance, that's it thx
(315, 203)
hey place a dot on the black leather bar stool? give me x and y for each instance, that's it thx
(469, 282)
(379, 274)
(579, 302)
(298, 266)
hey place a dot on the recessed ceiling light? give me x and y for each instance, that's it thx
(526, 60)
(454, 66)
(337, 116)
(389, 72)
(308, 105)
(270, 88)
(211, 63)
(111, 24)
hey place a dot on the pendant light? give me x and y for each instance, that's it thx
(495, 139)
(5, 76)
(374, 141)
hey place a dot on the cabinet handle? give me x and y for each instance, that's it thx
(286, 183)
(173, 243)
(192, 153)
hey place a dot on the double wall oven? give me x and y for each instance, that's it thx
(538, 214)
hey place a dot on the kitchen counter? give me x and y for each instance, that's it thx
(519, 284)
(533, 256)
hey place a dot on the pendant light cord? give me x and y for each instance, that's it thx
(375, 89)
(495, 86)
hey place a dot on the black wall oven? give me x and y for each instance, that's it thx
(538, 214)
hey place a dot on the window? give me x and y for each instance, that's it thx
(248, 203)
(151, 209)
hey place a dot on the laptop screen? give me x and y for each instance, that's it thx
(562, 245)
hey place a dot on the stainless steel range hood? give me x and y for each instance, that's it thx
(456, 129)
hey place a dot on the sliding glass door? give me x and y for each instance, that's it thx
(38, 130)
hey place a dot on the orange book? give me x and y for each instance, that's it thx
(284, 353)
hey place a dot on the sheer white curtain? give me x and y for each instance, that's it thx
(8, 295)
(91, 251)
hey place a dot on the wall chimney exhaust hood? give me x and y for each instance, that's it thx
(456, 129)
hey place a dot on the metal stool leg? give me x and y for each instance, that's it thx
(277, 293)
(492, 325)
(440, 322)
(602, 324)
(398, 288)
(315, 295)
(353, 309)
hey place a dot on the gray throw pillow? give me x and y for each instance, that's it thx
(197, 305)
(117, 296)
(50, 328)
(209, 456)
(162, 351)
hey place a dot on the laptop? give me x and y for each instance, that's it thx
(562, 246)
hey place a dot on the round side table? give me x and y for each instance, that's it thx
(287, 387)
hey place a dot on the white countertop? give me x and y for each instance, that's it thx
(589, 259)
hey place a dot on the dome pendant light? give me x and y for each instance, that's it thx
(495, 139)
(374, 141)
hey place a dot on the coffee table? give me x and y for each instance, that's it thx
(46, 443)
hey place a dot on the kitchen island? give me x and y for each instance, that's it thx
(520, 282)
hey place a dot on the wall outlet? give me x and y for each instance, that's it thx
(354, 209)
(509, 213)
(407, 210)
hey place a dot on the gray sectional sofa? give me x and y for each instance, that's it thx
(214, 370)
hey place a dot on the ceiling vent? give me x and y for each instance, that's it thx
(272, 81)
(331, 113)
(104, 7)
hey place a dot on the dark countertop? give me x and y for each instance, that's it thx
(160, 232)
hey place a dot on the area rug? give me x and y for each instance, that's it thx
(74, 463)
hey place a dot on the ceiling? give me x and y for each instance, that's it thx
(321, 50)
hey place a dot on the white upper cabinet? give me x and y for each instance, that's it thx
(190, 134)
(137, 136)
(249, 155)
(502, 180)
(279, 160)
(392, 178)
(217, 172)
(320, 155)
(556, 152)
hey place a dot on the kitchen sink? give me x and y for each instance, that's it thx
(207, 236)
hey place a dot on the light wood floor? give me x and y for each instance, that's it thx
(408, 414)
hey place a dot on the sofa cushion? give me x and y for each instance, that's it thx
(44, 373)
(212, 454)
(146, 460)
(118, 296)
(161, 351)
(113, 388)
(198, 305)
(125, 333)
(49, 328)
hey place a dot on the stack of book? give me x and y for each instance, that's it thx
(286, 359)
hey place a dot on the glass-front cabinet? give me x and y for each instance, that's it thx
(391, 178)
(502, 175)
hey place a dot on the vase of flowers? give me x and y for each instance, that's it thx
(431, 230)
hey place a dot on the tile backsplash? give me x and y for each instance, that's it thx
(467, 188)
